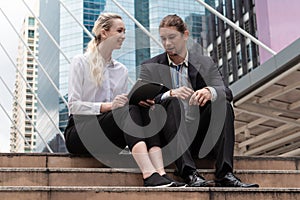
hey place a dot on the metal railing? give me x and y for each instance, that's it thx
(212, 10)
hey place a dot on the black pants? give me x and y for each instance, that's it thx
(222, 151)
(82, 131)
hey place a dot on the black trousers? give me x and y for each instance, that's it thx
(223, 150)
(82, 130)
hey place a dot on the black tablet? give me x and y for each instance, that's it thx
(143, 90)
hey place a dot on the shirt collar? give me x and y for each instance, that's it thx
(111, 63)
(186, 60)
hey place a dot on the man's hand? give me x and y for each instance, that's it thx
(181, 93)
(200, 97)
(119, 101)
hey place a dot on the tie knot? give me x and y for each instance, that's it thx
(177, 67)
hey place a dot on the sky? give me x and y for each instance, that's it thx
(15, 10)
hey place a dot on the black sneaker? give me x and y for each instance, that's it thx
(175, 183)
(156, 180)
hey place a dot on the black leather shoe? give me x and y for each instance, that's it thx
(195, 180)
(230, 180)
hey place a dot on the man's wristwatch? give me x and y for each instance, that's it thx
(171, 93)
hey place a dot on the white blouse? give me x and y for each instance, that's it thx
(85, 97)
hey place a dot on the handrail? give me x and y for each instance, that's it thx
(138, 23)
(47, 32)
(32, 91)
(26, 115)
(78, 22)
(236, 27)
(6, 113)
(35, 58)
(82, 26)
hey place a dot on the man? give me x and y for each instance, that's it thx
(208, 116)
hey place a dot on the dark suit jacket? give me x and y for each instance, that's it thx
(202, 72)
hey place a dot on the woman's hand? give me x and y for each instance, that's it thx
(147, 103)
(119, 101)
(200, 97)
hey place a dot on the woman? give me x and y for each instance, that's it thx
(97, 87)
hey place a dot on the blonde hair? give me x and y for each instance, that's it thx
(96, 61)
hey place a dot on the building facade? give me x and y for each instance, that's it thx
(126, 54)
(73, 41)
(24, 114)
(48, 112)
(136, 48)
(276, 25)
(235, 54)
(190, 11)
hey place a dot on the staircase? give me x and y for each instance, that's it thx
(63, 176)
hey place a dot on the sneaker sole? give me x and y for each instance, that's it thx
(182, 186)
(175, 185)
(161, 186)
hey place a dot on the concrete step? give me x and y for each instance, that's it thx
(46, 160)
(129, 177)
(138, 193)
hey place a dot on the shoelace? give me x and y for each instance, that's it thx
(235, 177)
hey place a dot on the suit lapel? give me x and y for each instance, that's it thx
(164, 71)
(193, 69)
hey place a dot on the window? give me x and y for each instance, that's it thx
(228, 44)
(28, 130)
(31, 33)
(31, 21)
(29, 79)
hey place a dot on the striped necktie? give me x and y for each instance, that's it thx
(178, 67)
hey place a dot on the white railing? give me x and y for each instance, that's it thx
(43, 69)
(212, 10)
(27, 117)
(236, 27)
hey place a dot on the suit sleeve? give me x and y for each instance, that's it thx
(145, 74)
(216, 80)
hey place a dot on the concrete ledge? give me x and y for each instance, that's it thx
(143, 189)
(137, 193)
(66, 160)
(129, 177)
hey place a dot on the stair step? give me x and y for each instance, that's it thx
(137, 193)
(129, 177)
(65, 176)
(71, 161)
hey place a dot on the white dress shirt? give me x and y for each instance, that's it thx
(183, 80)
(85, 97)
(184, 71)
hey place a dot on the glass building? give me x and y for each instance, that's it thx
(188, 10)
(49, 59)
(73, 41)
(136, 48)
(126, 54)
